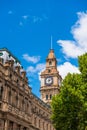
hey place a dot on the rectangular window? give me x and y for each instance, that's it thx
(9, 96)
(1, 92)
(46, 97)
(50, 96)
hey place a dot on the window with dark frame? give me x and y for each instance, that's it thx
(1, 92)
(46, 97)
(50, 62)
(50, 96)
(49, 71)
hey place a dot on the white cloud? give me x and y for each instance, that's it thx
(66, 68)
(45, 16)
(79, 31)
(36, 19)
(33, 59)
(10, 12)
(21, 24)
(35, 70)
(25, 17)
(70, 48)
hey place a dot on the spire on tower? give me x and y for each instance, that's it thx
(51, 43)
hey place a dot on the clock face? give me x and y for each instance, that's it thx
(49, 80)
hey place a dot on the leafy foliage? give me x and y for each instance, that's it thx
(69, 107)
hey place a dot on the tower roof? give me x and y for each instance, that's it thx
(51, 54)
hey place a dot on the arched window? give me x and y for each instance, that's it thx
(24, 128)
(27, 108)
(22, 105)
(50, 96)
(26, 105)
(16, 100)
(18, 127)
(49, 70)
(50, 62)
(46, 97)
(1, 92)
(10, 76)
(10, 125)
(9, 96)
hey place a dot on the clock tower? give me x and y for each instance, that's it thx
(50, 78)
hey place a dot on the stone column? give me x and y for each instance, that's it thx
(6, 124)
(45, 125)
(5, 93)
(41, 125)
(11, 96)
(48, 126)
(38, 122)
(33, 119)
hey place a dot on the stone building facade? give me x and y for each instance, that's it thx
(20, 109)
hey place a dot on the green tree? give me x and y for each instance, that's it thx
(69, 107)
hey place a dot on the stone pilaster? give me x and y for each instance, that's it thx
(37, 123)
(6, 124)
(5, 93)
(41, 125)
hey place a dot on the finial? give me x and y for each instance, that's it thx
(51, 43)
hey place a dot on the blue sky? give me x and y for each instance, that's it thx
(26, 27)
